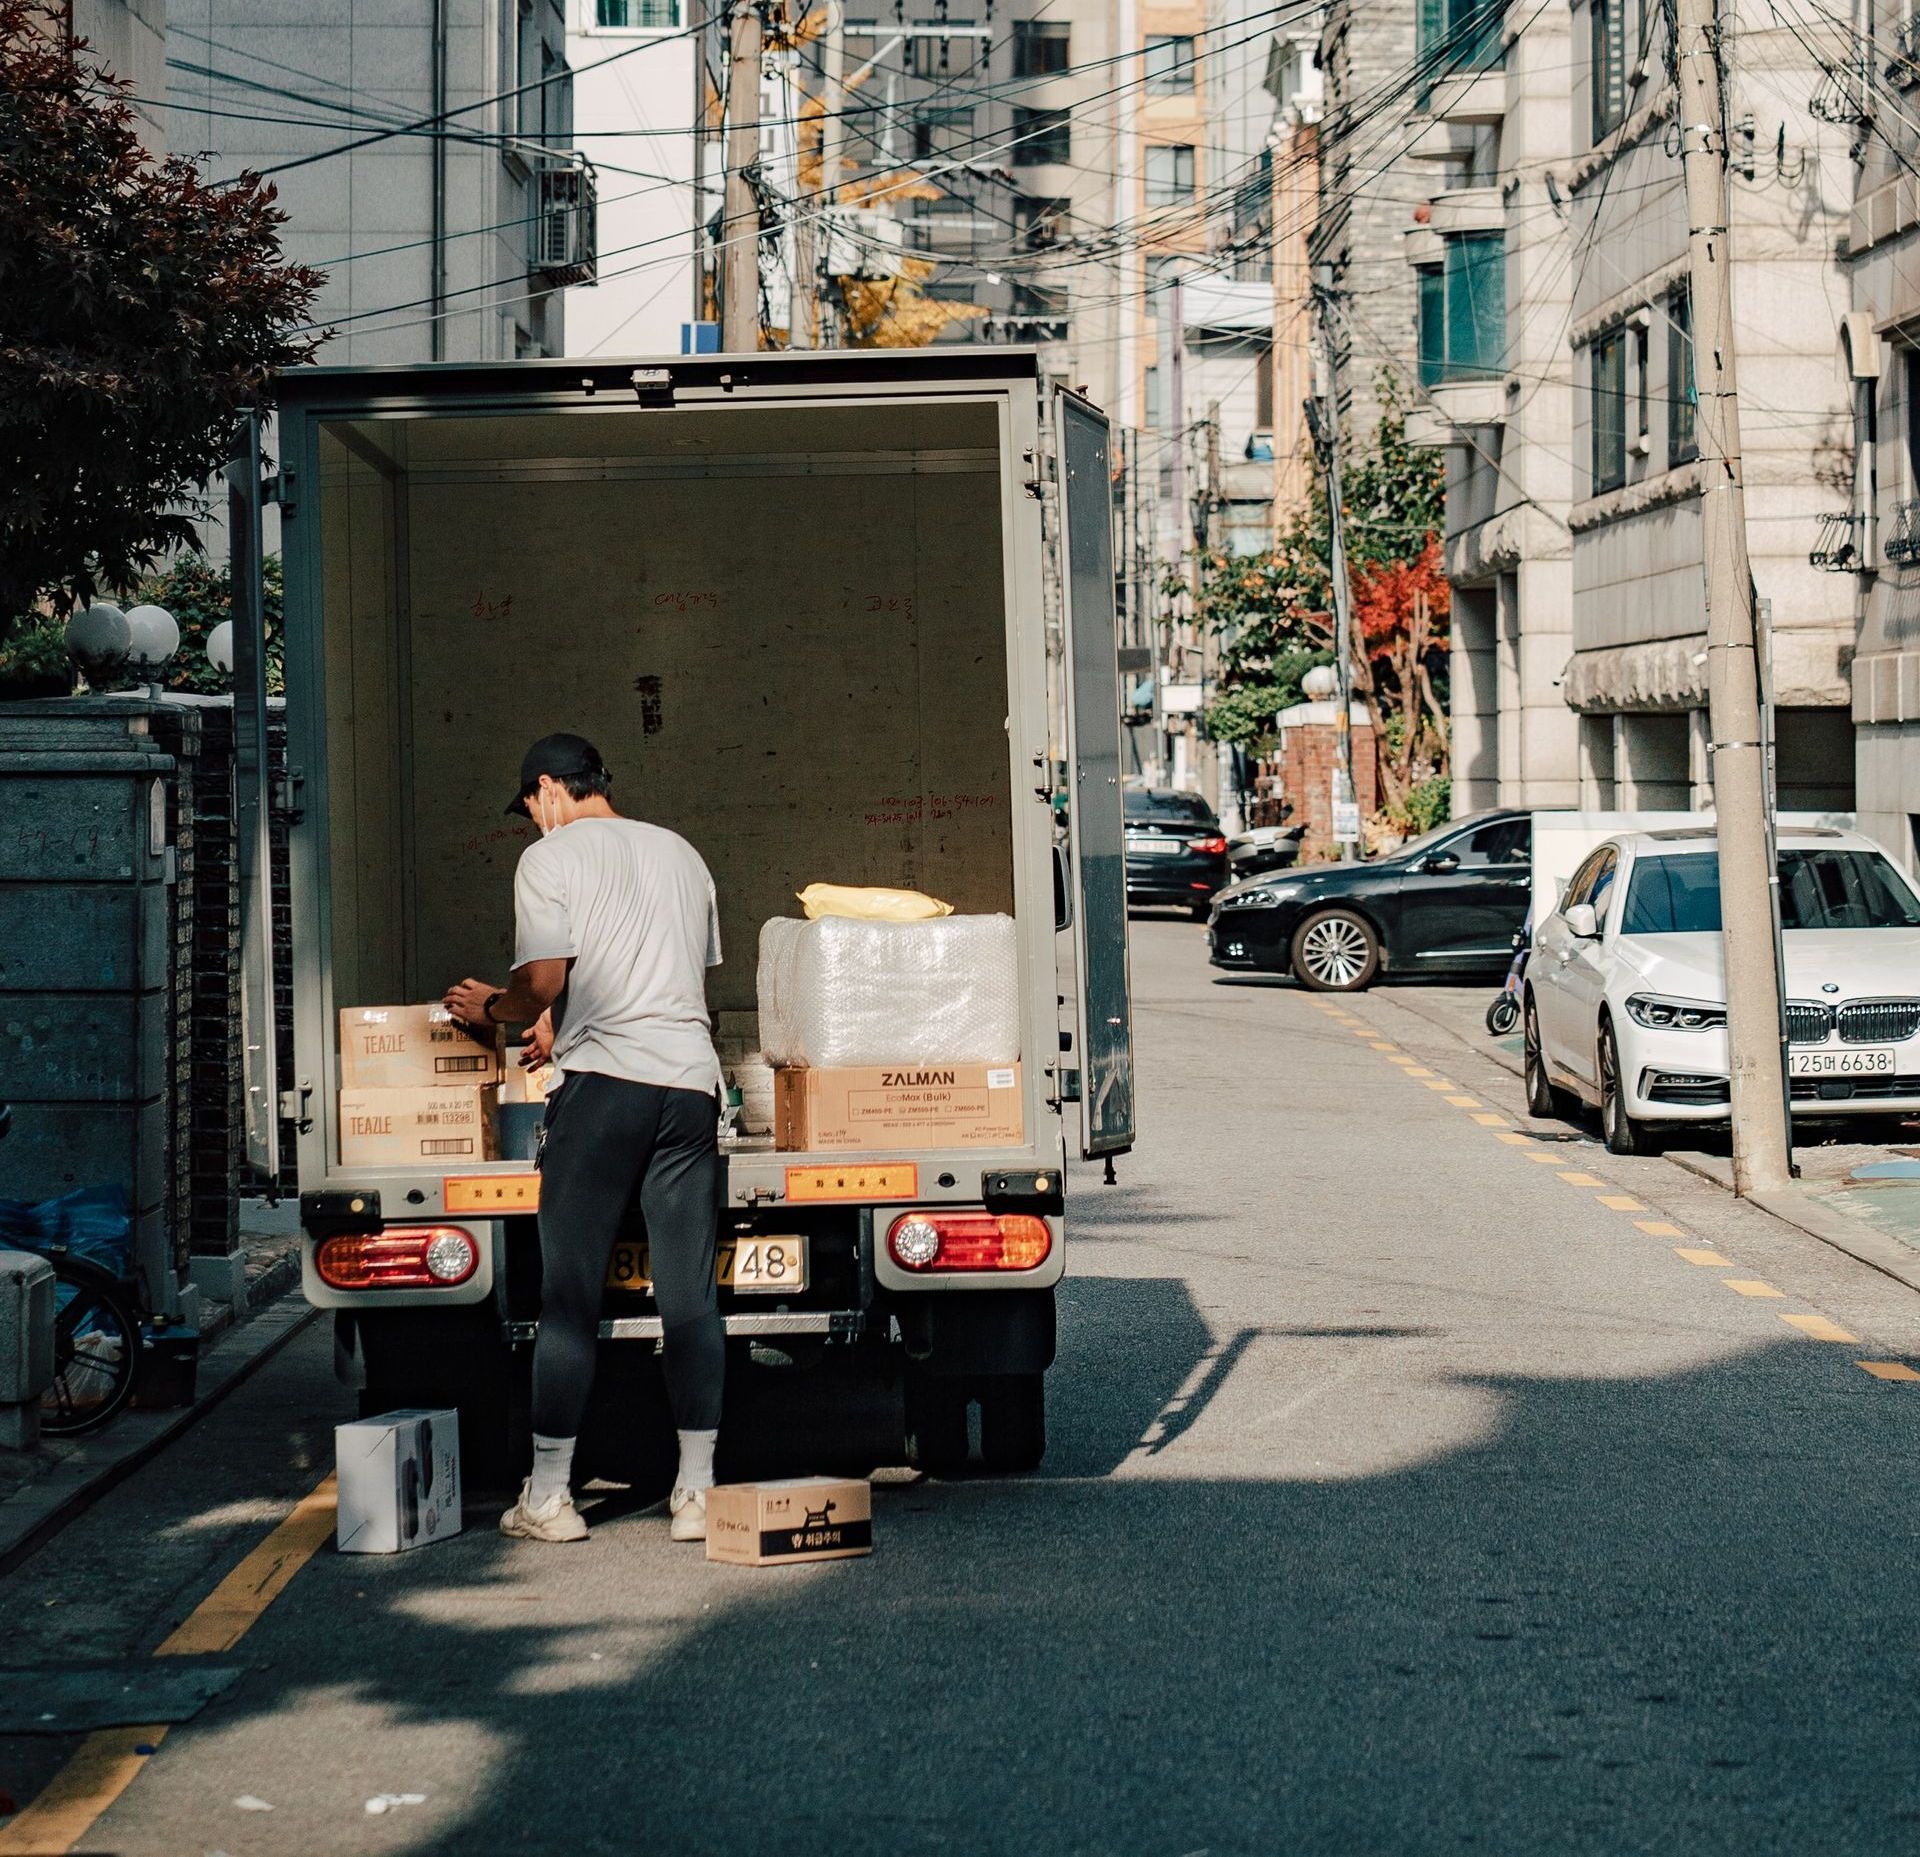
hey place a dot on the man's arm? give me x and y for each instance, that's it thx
(529, 991)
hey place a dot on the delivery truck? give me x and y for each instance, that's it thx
(802, 602)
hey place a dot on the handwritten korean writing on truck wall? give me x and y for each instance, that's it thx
(918, 809)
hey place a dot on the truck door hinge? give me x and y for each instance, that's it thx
(278, 488)
(293, 1105)
(287, 789)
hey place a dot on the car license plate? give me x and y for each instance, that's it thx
(1862, 1061)
(1154, 847)
(746, 1265)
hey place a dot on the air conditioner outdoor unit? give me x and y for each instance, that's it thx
(563, 235)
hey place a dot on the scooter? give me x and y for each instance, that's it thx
(1503, 1012)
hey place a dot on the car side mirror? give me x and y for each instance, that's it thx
(1440, 864)
(1062, 889)
(1582, 923)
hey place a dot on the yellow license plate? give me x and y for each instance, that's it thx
(746, 1265)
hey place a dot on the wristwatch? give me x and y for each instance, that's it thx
(486, 1011)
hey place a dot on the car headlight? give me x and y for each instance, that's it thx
(1262, 898)
(1660, 1014)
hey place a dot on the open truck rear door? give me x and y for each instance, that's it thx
(252, 815)
(1094, 810)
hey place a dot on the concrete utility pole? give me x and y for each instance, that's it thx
(1177, 422)
(833, 52)
(1323, 421)
(740, 227)
(1756, 1036)
(699, 26)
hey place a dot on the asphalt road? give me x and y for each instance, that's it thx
(1408, 1491)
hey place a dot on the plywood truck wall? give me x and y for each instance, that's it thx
(785, 629)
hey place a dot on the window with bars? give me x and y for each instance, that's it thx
(1607, 358)
(937, 53)
(1170, 65)
(1041, 136)
(1683, 399)
(1170, 173)
(1040, 48)
(637, 15)
(1607, 66)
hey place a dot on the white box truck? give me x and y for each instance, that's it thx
(799, 602)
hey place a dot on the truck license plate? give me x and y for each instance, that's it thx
(745, 1265)
(1864, 1061)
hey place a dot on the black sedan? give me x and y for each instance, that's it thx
(1448, 902)
(1175, 851)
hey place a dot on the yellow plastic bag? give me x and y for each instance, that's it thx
(839, 899)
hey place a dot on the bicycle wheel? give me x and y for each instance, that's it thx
(96, 1348)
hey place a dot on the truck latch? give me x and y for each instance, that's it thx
(759, 1195)
(293, 1105)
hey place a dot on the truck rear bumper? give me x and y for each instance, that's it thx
(834, 1324)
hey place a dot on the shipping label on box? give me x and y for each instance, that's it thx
(399, 1481)
(789, 1519)
(409, 1047)
(912, 1106)
(408, 1127)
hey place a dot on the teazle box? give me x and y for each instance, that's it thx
(399, 1481)
(412, 1047)
(789, 1519)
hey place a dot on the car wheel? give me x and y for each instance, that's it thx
(1623, 1135)
(1544, 1097)
(1335, 951)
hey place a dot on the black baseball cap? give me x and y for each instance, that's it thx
(559, 756)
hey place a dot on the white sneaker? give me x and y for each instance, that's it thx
(556, 1519)
(688, 1508)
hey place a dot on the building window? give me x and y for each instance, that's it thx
(1041, 136)
(949, 227)
(942, 132)
(940, 51)
(1456, 36)
(1040, 48)
(1609, 363)
(1169, 65)
(1607, 71)
(637, 15)
(1169, 174)
(1161, 271)
(1156, 409)
(1683, 399)
(1042, 224)
(1463, 311)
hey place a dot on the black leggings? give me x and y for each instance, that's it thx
(608, 1141)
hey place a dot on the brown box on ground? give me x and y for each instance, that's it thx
(452, 1125)
(790, 1519)
(912, 1106)
(411, 1047)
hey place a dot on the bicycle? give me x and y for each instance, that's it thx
(96, 1340)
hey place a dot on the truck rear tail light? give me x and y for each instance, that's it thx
(1212, 846)
(403, 1257)
(969, 1241)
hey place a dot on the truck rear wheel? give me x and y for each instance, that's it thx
(936, 1422)
(1013, 1422)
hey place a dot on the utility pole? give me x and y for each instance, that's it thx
(1177, 411)
(699, 27)
(1756, 1036)
(740, 227)
(1228, 804)
(832, 70)
(1325, 427)
(803, 306)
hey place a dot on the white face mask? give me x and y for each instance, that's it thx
(549, 820)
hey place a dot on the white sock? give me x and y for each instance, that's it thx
(552, 1469)
(696, 1460)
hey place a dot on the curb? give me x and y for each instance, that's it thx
(34, 1514)
(1853, 1236)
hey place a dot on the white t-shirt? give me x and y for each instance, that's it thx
(633, 908)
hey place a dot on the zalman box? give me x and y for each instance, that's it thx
(914, 1106)
(399, 1481)
(408, 1047)
(791, 1519)
(407, 1127)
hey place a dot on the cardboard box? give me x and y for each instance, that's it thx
(528, 1086)
(449, 1126)
(912, 1106)
(410, 1047)
(399, 1481)
(790, 1519)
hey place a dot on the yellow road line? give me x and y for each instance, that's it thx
(1465, 1102)
(1751, 1286)
(1619, 1202)
(1378, 1046)
(1889, 1370)
(1583, 1179)
(1416, 1071)
(1711, 1259)
(1659, 1228)
(1440, 1083)
(1399, 1057)
(1487, 1119)
(1818, 1328)
(1545, 1156)
(1513, 1138)
(105, 1765)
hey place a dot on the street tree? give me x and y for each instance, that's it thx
(143, 312)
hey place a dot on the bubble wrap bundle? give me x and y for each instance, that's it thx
(839, 992)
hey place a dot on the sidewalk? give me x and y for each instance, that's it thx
(42, 1490)
(1860, 1197)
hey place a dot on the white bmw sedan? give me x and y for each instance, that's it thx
(1625, 1000)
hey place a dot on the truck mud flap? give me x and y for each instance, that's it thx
(979, 1332)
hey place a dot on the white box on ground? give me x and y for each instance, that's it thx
(399, 1481)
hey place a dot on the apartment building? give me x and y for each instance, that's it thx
(1637, 674)
(1490, 255)
(129, 39)
(456, 245)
